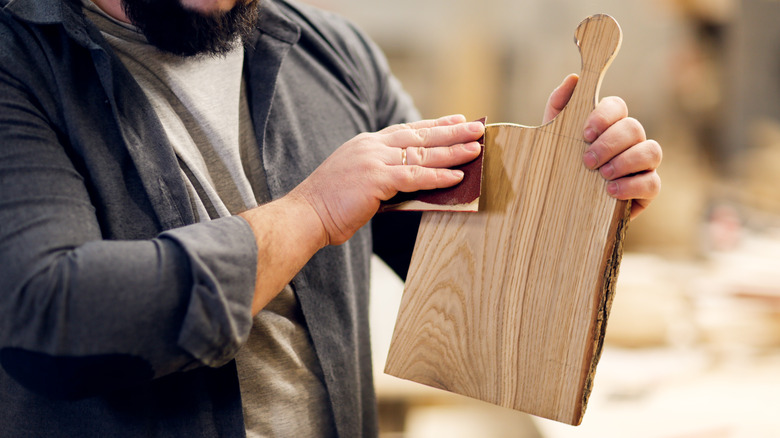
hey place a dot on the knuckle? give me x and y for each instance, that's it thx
(653, 156)
(422, 156)
(368, 165)
(636, 128)
(657, 151)
(644, 186)
(412, 176)
(646, 158)
(441, 177)
(600, 119)
(606, 147)
(654, 184)
(615, 101)
(423, 134)
(401, 179)
(609, 110)
(365, 138)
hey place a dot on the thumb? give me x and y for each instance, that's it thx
(560, 97)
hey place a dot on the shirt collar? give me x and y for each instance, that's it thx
(272, 21)
(35, 11)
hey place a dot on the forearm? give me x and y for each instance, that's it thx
(288, 233)
(344, 193)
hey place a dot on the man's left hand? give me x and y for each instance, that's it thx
(619, 148)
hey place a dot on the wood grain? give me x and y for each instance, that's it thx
(509, 305)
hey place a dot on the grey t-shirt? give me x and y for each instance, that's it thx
(203, 108)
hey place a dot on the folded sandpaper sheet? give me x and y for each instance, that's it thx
(463, 196)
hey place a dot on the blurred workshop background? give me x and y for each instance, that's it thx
(693, 341)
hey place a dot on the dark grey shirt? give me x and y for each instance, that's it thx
(202, 106)
(109, 288)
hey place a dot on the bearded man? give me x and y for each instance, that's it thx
(184, 189)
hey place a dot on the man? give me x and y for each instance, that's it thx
(174, 173)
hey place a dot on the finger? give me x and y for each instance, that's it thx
(607, 112)
(436, 136)
(638, 206)
(560, 97)
(642, 157)
(620, 136)
(414, 178)
(442, 156)
(643, 186)
(442, 121)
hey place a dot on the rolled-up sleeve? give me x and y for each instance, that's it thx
(217, 320)
(72, 301)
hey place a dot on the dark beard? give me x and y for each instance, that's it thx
(184, 32)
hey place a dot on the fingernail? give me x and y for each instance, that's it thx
(590, 134)
(475, 126)
(472, 147)
(457, 173)
(456, 118)
(612, 188)
(590, 159)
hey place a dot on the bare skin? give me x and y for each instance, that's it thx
(115, 10)
(112, 8)
(344, 192)
(209, 6)
(619, 148)
(341, 195)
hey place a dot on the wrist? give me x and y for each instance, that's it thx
(304, 210)
(288, 232)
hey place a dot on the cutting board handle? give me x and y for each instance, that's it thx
(598, 38)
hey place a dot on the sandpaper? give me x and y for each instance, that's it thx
(463, 196)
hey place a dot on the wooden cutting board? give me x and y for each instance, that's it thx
(509, 304)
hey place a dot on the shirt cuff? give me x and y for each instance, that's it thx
(223, 263)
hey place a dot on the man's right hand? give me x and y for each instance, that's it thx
(344, 192)
(346, 189)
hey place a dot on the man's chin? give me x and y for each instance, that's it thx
(181, 31)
